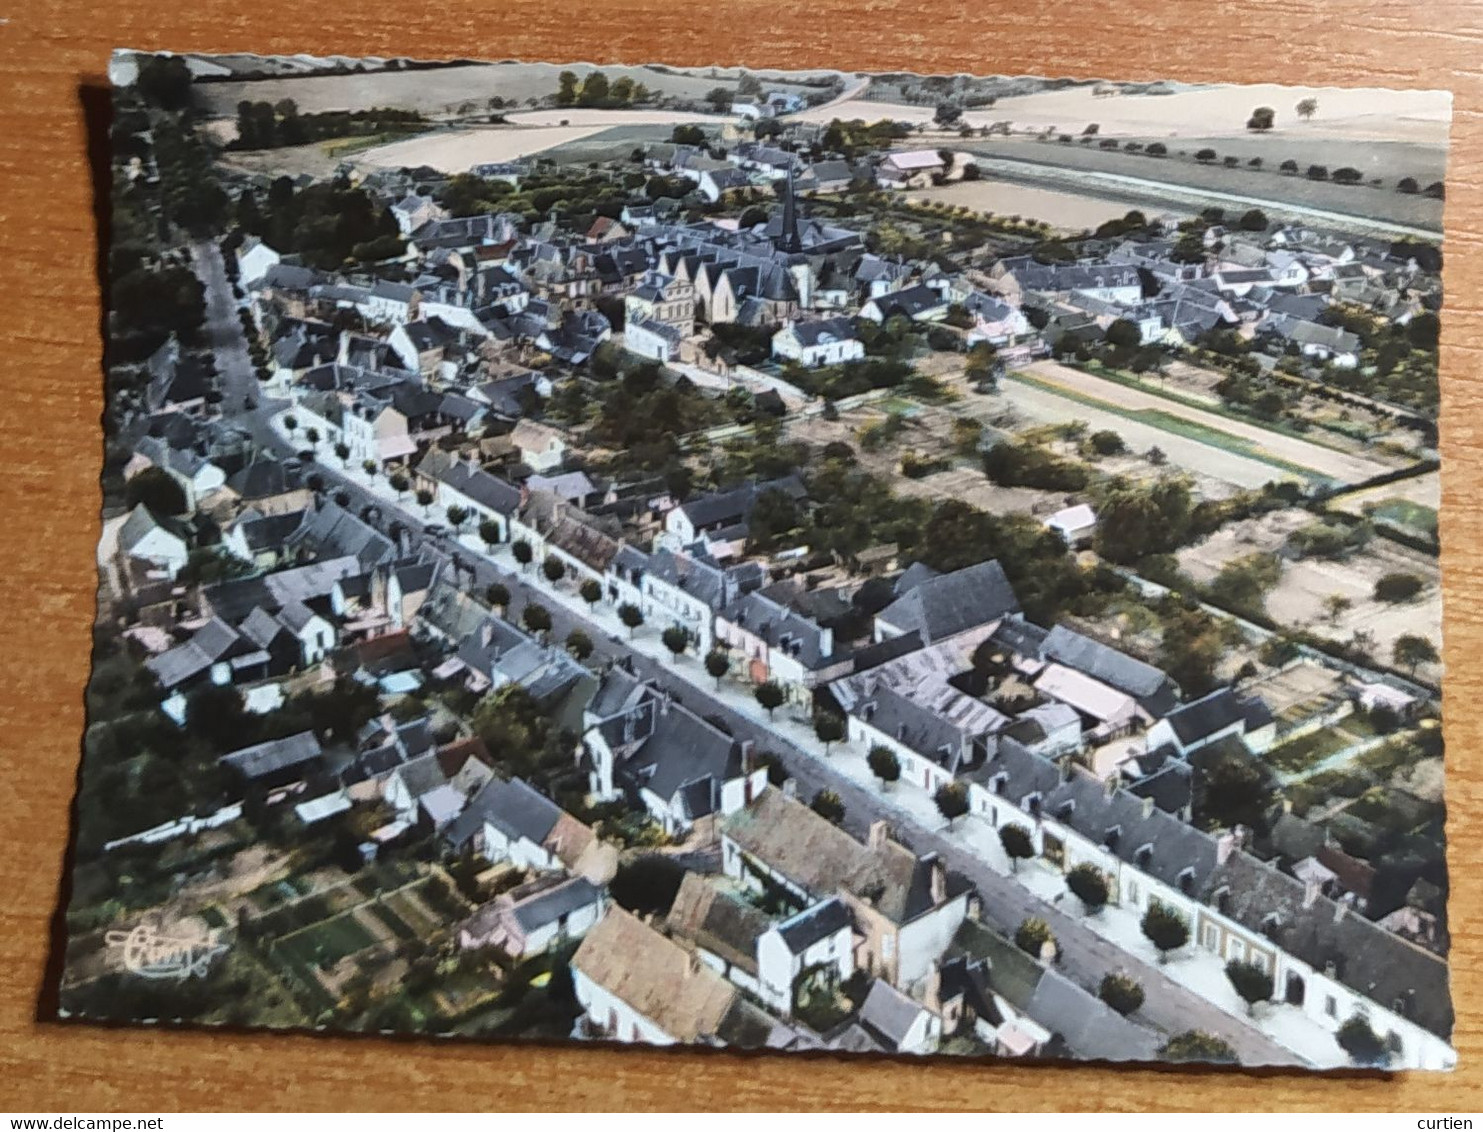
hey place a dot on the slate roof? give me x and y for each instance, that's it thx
(210, 643)
(806, 928)
(330, 531)
(1222, 708)
(781, 628)
(823, 330)
(952, 603)
(550, 905)
(1151, 687)
(263, 759)
(735, 504)
(888, 1014)
(500, 496)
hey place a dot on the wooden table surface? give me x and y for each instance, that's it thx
(52, 52)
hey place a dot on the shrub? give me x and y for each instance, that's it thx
(1089, 885)
(1165, 928)
(1121, 992)
(1018, 844)
(1251, 981)
(1398, 587)
(1033, 935)
(1105, 442)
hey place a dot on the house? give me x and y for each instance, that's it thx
(150, 543)
(535, 917)
(214, 652)
(1156, 694)
(715, 918)
(898, 1023)
(1212, 717)
(414, 211)
(905, 909)
(1076, 525)
(509, 820)
(254, 259)
(816, 943)
(1314, 340)
(919, 303)
(636, 985)
(196, 474)
(541, 448)
(679, 767)
(716, 183)
(460, 482)
(775, 643)
(722, 510)
(277, 762)
(947, 604)
(823, 342)
(909, 169)
(658, 341)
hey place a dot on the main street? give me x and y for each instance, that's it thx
(1085, 956)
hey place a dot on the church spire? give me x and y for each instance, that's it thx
(789, 240)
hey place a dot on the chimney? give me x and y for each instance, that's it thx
(746, 755)
(1342, 905)
(880, 833)
(939, 880)
(790, 788)
(692, 964)
(1310, 893)
(1109, 784)
(1147, 807)
(1225, 845)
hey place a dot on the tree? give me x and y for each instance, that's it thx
(489, 531)
(1289, 166)
(631, 616)
(1397, 587)
(1358, 1039)
(498, 595)
(523, 552)
(717, 663)
(946, 114)
(828, 805)
(590, 591)
(1348, 175)
(1424, 330)
(424, 499)
(291, 423)
(1156, 149)
(579, 644)
(553, 568)
(1196, 1045)
(157, 490)
(1125, 333)
(952, 801)
(1018, 843)
(1318, 172)
(1335, 605)
(399, 483)
(1034, 936)
(1205, 156)
(1165, 928)
(769, 695)
(1307, 108)
(1121, 992)
(1105, 442)
(342, 450)
(566, 91)
(1262, 119)
(884, 764)
(1411, 651)
(1251, 981)
(370, 467)
(1253, 220)
(536, 617)
(1089, 885)
(828, 728)
(720, 99)
(676, 640)
(457, 515)
(1407, 185)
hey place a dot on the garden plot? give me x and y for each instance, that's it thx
(1298, 599)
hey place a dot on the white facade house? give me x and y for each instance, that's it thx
(819, 940)
(541, 449)
(254, 258)
(824, 342)
(1075, 524)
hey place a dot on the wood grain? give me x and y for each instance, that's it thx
(51, 49)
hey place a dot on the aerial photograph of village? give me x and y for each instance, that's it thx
(804, 561)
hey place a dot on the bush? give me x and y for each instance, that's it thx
(1196, 1045)
(1033, 935)
(1105, 442)
(1121, 992)
(1165, 928)
(1318, 173)
(1156, 149)
(1398, 587)
(1089, 885)
(1251, 982)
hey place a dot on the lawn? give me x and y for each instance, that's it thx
(326, 943)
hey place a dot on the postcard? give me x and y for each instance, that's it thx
(803, 561)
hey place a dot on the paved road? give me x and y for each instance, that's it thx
(1085, 956)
